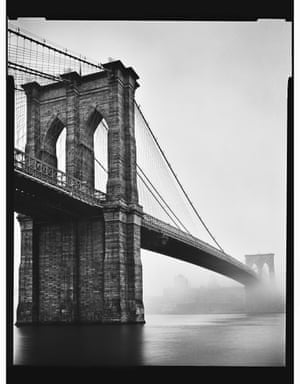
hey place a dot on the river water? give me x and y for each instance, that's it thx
(200, 340)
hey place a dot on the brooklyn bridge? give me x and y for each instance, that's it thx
(83, 226)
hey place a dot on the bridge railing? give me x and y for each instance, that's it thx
(166, 229)
(52, 176)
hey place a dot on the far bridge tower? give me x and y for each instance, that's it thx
(262, 296)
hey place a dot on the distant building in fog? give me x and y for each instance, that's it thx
(181, 283)
(179, 292)
(181, 298)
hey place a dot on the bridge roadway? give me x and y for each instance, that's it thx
(160, 237)
(43, 191)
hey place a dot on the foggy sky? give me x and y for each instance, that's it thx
(214, 94)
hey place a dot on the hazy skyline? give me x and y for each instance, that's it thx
(214, 94)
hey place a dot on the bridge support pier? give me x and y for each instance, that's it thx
(27, 308)
(64, 276)
(263, 298)
(61, 271)
(122, 265)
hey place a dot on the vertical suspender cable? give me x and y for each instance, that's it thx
(180, 185)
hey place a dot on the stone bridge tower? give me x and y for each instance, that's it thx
(86, 269)
(262, 297)
(259, 260)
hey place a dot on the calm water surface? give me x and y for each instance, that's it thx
(214, 339)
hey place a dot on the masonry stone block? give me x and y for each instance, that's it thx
(26, 299)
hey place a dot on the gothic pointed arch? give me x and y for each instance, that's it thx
(91, 143)
(94, 118)
(48, 147)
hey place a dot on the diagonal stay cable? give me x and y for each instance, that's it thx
(31, 71)
(160, 196)
(176, 178)
(98, 162)
(155, 189)
(155, 197)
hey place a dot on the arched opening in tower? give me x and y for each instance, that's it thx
(54, 146)
(61, 151)
(100, 156)
(255, 268)
(265, 272)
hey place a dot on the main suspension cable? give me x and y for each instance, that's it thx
(149, 189)
(31, 71)
(176, 178)
(149, 181)
(65, 53)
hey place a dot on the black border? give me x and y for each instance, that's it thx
(233, 10)
(237, 10)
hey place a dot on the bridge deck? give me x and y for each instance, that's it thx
(161, 237)
(43, 173)
(156, 235)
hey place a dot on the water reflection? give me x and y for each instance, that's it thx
(79, 345)
(234, 340)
